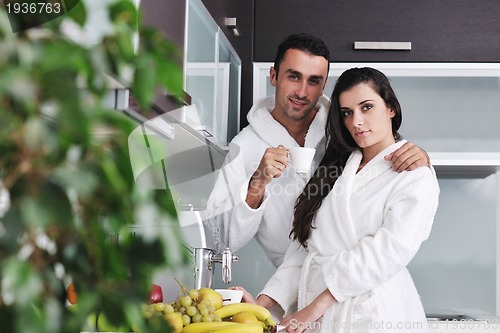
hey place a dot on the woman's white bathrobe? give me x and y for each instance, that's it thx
(237, 223)
(367, 230)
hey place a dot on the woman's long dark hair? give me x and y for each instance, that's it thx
(339, 145)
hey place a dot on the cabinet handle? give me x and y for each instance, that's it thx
(402, 46)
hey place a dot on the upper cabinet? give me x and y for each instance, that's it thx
(212, 67)
(166, 16)
(212, 77)
(438, 31)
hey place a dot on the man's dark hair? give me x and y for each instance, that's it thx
(303, 42)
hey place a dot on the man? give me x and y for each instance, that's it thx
(255, 192)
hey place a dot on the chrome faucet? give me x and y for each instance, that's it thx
(226, 259)
(201, 234)
(204, 266)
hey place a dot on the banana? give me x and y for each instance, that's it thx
(205, 327)
(239, 328)
(270, 322)
(229, 310)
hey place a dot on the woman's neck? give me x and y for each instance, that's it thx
(370, 152)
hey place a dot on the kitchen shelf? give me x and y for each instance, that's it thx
(465, 164)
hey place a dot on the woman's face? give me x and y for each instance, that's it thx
(367, 118)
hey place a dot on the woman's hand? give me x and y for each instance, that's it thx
(262, 300)
(247, 297)
(306, 318)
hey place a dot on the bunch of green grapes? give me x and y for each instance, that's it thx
(192, 310)
(187, 307)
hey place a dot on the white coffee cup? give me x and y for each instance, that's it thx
(300, 158)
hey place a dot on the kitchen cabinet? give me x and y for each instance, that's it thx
(439, 31)
(451, 111)
(212, 76)
(172, 18)
(166, 16)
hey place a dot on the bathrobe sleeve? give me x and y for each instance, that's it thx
(408, 217)
(236, 222)
(283, 286)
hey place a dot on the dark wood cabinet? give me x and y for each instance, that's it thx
(439, 31)
(169, 16)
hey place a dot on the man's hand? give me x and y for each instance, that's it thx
(272, 165)
(408, 157)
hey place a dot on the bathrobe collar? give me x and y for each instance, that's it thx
(274, 134)
(351, 182)
(374, 167)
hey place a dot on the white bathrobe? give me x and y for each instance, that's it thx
(367, 230)
(271, 222)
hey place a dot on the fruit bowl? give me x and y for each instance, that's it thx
(230, 296)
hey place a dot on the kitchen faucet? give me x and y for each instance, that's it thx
(176, 145)
(205, 260)
(202, 236)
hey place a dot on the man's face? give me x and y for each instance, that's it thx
(299, 84)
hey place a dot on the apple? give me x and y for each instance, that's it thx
(155, 295)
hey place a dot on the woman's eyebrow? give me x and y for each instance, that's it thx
(368, 100)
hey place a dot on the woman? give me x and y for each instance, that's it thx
(355, 233)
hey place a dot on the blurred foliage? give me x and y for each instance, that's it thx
(73, 198)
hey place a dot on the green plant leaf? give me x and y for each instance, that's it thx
(71, 187)
(76, 11)
(170, 75)
(62, 55)
(79, 178)
(113, 176)
(50, 206)
(73, 127)
(143, 86)
(21, 282)
(124, 12)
